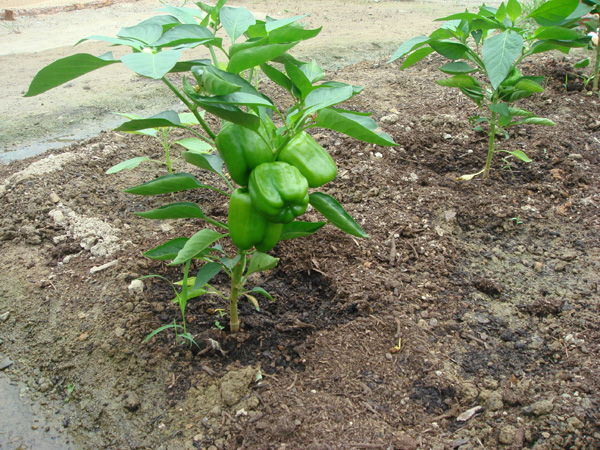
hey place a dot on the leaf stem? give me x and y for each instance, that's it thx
(596, 66)
(166, 146)
(236, 287)
(214, 56)
(191, 107)
(184, 292)
(491, 141)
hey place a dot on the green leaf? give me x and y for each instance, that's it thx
(236, 21)
(409, 46)
(164, 119)
(115, 41)
(259, 262)
(158, 330)
(553, 12)
(195, 145)
(146, 32)
(277, 76)
(557, 33)
(514, 10)
(275, 24)
(468, 16)
(449, 49)
(298, 229)
(535, 121)
(152, 65)
(252, 57)
(326, 96)
(205, 274)
(232, 114)
(196, 244)
(237, 98)
(231, 78)
(211, 80)
(298, 78)
(212, 163)
(186, 35)
(313, 71)
(528, 85)
(185, 15)
(459, 81)
(168, 250)
(167, 183)
(129, 164)
(456, 68)
(354, 125)
(519, 112)
(416, 56)
(179, 210)
(260, 290)
(217, 9)
(184, 66)
(500, 108)
(336, 214)
(292, 34)
(519, 154)
(230, 263)
(499, 53)
(501, 13)
(583, 63)
(65, 70)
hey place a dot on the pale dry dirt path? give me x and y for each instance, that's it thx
(353, 30)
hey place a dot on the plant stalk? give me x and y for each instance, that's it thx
(184, 293)
(166, 146)
(491, 141)
(190, 107)
(596, 68)
(236, 287)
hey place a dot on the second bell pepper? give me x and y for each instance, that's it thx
(312, 160)
(279, 191)
(242, 150)
(249, 228)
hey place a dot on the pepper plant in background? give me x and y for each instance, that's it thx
(271, 163)
(592, 23)
(486, 48)
(162, 135)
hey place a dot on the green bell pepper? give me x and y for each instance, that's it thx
(249, 228)
(512, 78)
(312, 160)
(279, 191)
(242, 150)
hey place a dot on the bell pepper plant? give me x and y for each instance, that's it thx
(260, 158)
(592, 23)
(485, 49)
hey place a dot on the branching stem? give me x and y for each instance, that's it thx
(191, 107)
(237, 283)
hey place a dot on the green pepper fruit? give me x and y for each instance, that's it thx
(249, 228)
(242, 150)
(512, 78)
(279, 191)
(312, 160)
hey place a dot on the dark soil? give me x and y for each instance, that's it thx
(482, 293)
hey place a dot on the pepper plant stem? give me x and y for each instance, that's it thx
(191, 107)
(184, 293)
(491, 141)
(236, 287)
(596, 68)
